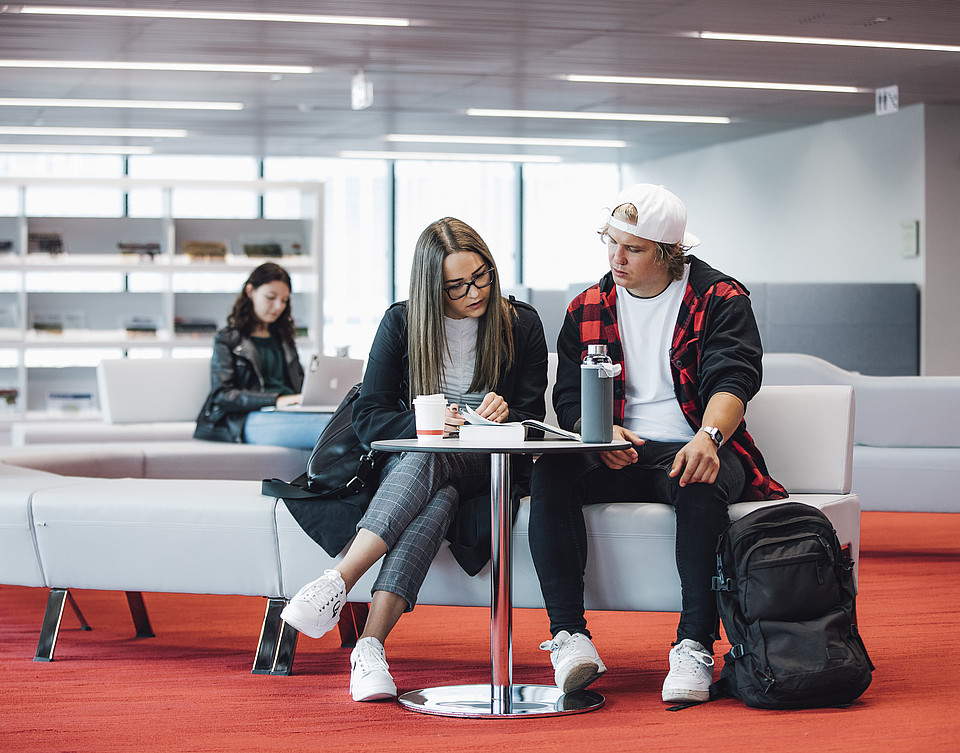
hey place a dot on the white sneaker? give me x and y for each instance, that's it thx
(576, 662)
(316, 607)
(370, 679)
(691, 673)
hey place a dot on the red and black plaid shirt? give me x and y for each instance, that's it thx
(716, 348)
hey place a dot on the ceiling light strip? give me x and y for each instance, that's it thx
(830, 42)
(141, 104)
(155, 133)
(620, 116)
(766, 85)
(203, 15)
(410, 138)
(111, 65)
(450, 156)
(74, 149)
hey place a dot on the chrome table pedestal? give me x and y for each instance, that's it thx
(501, 698)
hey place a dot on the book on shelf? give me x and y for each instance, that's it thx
(44, 243)
(271, 245)
(484, 431)
(139, 326)
(8, 396)
(70, 402)
(55, 322)
(185, 325)
(205, 250)
(271, 250)
(141, 250)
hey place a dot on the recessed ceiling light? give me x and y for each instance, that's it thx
(144, 104)
(501, 140)
(112, 65)
(627, 116)
(206, 15)
(163, 133)
(826, 41)
(646, 80)
(450, 156)
(74, 149)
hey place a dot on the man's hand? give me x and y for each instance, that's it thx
(617, 459)
(697, 460)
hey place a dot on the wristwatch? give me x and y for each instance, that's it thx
(714, 433)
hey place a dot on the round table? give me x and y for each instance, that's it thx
(501, 698)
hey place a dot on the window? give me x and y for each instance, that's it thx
(356, 242)
(562, 210)
(58, 201)
(484, 195)
(194, 202)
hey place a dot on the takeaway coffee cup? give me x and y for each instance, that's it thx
(430, 412)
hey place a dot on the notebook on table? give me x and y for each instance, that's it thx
(326, 382)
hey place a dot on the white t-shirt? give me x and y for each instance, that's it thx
(459, 361)
(646, 334)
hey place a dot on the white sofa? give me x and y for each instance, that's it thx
(141, 399)
(137, 534)
(906, 453)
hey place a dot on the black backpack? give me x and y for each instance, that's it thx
(342, 475)
(786, 598)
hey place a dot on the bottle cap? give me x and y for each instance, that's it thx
(597, 350)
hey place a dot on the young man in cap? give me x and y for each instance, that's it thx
(686, 338)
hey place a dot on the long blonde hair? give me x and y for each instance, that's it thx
(427, 338)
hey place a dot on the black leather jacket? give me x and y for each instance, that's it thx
(236, 385)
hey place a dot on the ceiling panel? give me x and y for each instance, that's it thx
(491, 54)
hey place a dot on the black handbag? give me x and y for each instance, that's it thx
(342, 475)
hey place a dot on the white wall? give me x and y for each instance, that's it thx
(825, 203)
(817, 204)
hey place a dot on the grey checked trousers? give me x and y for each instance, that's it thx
(412, 511)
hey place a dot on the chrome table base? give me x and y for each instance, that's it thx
(476, 701)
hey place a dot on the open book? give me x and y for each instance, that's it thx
(483, 430)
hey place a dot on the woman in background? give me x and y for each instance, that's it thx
(255, 365)
(458, 336)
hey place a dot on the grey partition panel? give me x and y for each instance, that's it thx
(872, 328)
(552, 307)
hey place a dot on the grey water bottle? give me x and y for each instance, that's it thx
(596, 396)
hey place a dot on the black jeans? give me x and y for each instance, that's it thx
(563, 484)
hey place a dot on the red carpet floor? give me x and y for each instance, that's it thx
(190, 688)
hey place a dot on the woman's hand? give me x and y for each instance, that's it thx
(452, 420)
(285, 400)
(494, 408)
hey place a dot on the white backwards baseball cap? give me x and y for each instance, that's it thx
(661, 216)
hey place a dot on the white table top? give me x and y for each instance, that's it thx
(532, 446)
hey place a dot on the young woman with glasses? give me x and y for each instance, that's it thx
(456, 335)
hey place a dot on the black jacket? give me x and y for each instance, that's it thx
(380, 412)
(236, 385)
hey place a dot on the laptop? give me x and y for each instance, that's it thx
(326, 382)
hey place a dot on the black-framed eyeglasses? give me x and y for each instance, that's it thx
(480, 280)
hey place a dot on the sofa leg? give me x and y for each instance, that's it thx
(76, 610)
(138, 610)
(51, 624)
(269, 636)
(352, 620)
(286, 648)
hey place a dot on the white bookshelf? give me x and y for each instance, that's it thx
(61, 313)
